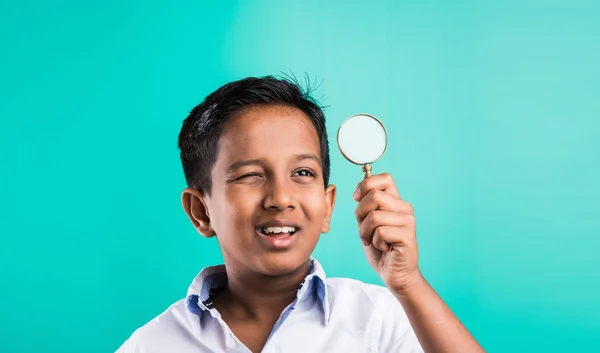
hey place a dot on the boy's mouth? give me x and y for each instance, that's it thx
(278, 232)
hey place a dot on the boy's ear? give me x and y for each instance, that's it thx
(330, 192)
(194, 204)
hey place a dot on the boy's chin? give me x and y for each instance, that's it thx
(282, 264)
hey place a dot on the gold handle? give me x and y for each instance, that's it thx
(367, 169)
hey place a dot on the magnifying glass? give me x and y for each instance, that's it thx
(362, 139)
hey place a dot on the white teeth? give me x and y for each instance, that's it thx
(277, 230)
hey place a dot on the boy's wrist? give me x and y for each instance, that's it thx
(414, 288)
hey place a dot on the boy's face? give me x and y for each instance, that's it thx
(268, 204)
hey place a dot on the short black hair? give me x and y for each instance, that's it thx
(201, 130)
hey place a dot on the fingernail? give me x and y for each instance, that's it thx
(356, 193)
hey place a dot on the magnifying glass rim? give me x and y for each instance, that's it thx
(372, 117)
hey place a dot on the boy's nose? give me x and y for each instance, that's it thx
(279, 195)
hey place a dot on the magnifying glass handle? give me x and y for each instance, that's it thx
(367, 169)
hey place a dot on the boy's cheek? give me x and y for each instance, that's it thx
(313, 200)
(243, 195)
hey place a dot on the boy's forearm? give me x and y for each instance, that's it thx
(436, 327)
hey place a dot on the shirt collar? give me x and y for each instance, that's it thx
(214, 278)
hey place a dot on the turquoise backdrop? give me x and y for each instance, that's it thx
(493, 111)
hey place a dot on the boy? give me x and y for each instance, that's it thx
(256, 159)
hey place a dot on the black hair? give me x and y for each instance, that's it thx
(199, 136)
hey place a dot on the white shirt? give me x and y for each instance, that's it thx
(333, 315)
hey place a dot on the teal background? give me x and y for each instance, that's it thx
(493, 114)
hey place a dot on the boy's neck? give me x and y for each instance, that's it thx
(259, 297)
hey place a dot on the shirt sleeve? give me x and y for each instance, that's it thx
(396, 333)
(129, 346)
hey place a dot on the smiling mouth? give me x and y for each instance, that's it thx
(278, 235)
(278, 232)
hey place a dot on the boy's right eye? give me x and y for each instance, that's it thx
(249, 175)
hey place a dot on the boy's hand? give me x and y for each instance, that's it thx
(387, 230)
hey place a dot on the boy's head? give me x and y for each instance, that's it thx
(256, 159)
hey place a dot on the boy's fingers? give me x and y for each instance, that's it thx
(378, 238)
(385, 236)
(382, 182)
(383, 201)
(381, 218)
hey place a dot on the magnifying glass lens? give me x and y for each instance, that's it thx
(362, 139)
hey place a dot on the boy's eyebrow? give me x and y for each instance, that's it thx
(300, 157)
(247, 162)
(244, 163)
